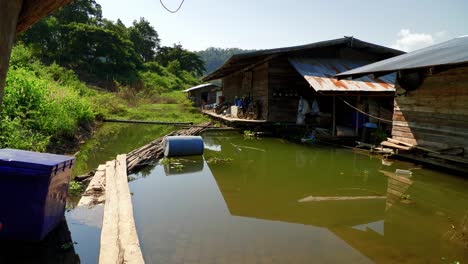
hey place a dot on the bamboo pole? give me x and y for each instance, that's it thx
(9, 13)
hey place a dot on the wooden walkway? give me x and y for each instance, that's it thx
(119, 239)
(109, 185)
(232, 119)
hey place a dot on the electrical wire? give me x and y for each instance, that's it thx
(364, 113)
(172, 11)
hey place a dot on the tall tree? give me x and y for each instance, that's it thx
(188, 60)
(145, 39)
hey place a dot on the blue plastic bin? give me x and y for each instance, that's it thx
(33, 193)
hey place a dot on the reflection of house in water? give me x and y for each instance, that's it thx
(376, 220)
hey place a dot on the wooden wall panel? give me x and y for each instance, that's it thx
(436, 114)
(260, 88)
(286, 85)
(252, 83)
(231, 86)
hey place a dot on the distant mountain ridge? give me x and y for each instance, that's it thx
(215, 57)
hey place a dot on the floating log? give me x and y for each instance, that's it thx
(148, 122)
(338, 198)
(154, 150)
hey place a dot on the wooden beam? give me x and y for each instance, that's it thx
(9, 13)
(334, 116)
(35, 10)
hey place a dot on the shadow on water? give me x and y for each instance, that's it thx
(267, 200)
(75, 240)
(56, 248)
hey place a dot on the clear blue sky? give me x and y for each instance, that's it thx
(261, 24)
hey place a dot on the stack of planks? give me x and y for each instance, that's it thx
(154, 150)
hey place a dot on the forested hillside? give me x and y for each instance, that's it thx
(75, 66)
(108, 53)
(215, 57)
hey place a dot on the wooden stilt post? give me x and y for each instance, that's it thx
(334, 116)
(9, 12)
(356, 130)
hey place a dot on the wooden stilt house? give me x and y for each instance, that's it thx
(431, 110)
(208, 94)
(275, 81)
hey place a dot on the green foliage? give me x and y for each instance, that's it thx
(40, 104)
(75, 188)
(188, 61)
(215, 57)
(145, 39)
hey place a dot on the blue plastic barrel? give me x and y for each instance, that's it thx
(176, 146)
(33, 193)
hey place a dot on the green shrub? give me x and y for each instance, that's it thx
(35, 110)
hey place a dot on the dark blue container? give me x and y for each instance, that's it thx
(33, 193)
(176, 146)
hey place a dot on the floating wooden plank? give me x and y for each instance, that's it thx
(147, 122)
(128, 237)
(95, 192)
(392, 145)
(119, 239)
(338, 198)
(110, 248)
(394, 141)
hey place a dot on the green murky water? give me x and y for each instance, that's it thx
(113, 139)
(109, 141)
(271, 201)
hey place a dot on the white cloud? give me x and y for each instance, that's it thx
(409, 41)
(440, 34)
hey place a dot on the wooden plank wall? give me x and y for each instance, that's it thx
(253, 83)
(260, 88)
(436, 114)
(231, 86)
(284, 79)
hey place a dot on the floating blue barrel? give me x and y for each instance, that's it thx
(33, 193)
(176, 146)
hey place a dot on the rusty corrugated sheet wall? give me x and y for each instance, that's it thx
(320, 73)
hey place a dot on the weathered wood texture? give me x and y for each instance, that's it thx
(119, 239)
(436, 114)
(259, 90)
(253, 83)
(9, 12)
(95, 192)
(110, 252)
(231, 86)
(34, 10)
(285, 86)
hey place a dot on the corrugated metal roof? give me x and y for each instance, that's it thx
(201, 86)
(320, 73)
(241, 61)
(452, 52)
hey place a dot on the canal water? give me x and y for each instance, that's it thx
(85, 224)
(271, 201)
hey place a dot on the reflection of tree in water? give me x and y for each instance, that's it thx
(56, 248)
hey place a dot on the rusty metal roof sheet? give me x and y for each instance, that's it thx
(239, 62)
(447, 54)
(201, 86)
(319, 73)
